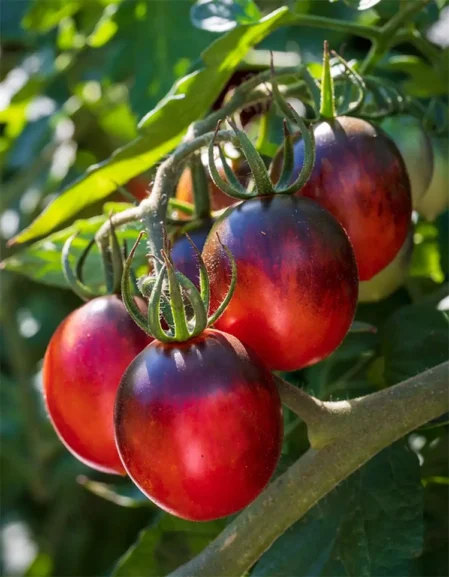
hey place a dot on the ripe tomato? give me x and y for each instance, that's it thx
(297, 279)
(360, 177)
(138, 187)
(219, 199)
(388, 280)
(184, 256)
(436, 199)
(199, 425)
(415, 147)
(83, 365)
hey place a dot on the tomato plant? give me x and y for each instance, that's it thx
(83, 365)
(210, 415)
(282, 375)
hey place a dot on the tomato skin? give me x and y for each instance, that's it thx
(199, 425)
(389, 279)
(360, 177)
(139, 187)
(436, 199)
(83, 365)
(297, 279)
(184, 256)
(415, 147)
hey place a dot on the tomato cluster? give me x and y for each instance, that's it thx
(196, 421)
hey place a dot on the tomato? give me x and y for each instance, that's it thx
(297, 279)
(199, 425)
(391, 277)
(360, 177)
(184, 256)
(83, 365)
(415, 147)
(138, 187)
(219, 199)
(436, 199)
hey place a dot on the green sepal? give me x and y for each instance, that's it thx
(181, 331)
(357, 81)
(327, 102)
(288, 160)
(73, 279)
(220, 310)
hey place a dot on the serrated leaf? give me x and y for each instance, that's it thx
(416, 338)
(223, 15)
(161, 129)
(370, 525)
(41, 261)
(166, 544)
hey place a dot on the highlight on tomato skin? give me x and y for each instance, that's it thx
(297, 280)
(199, 425)
(184, 256)
(360, 177)
(83, 365)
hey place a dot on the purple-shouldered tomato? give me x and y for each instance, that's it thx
(360, 177)
(415, 146)
(297, 279)
(183, 254)
(83, 365)
(199, 425)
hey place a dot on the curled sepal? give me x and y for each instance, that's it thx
(220, 310)
(181, 331)
(259, 172)
(154, 309)
(73, 279)
(198, 322)
(204, 277)
(309, 146)
(288, 160)
(313, 88)
(231, 190)
(327, 103)
(357, 81)
(127, 297)
(116, 259)
(385, 100)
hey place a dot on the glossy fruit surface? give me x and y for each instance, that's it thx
(199, 425)
(415, 147)
(436, 199)
(297, 279)
(184, 256)
(218, 198)
(83, 365)
(360, 177)
(391, 277)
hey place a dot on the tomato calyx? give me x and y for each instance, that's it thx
(113, 257)
(173, 299)
(263, 185)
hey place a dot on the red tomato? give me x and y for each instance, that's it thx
(83, 365)
(138, 187)
(296, 279)
(184, 256)
(199, 425)
(360, 177)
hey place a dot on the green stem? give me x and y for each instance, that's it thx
(391, 413)
(200, 187)
(352, 28)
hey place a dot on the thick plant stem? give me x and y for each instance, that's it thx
(365, 427)
(200, 187)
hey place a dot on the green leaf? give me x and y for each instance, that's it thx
(422, 80)
(416, 338)
(370, 525)
(44, 15)
(162, 128)
(41, 261)
(223, 15)
(127, 495)
(166, 544)
(362, 4)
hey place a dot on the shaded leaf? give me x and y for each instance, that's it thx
(166, 544)
(416, 338)
(371, 524)
(161, 129)
(362, 4)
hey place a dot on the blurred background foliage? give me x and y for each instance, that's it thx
(77, 77)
